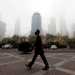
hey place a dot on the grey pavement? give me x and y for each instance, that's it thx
(62, 62)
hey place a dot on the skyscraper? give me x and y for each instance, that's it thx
(2, 29)
(42, 31)
(73, 30)
(73, 27)
(62, 23)
(36, 22)
(52, 26)
(17, 27)
(0, 16)
(49, 28)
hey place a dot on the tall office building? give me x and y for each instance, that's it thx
(62, 23)
(36, 22)
(42, 31)
(52, 26)
(73, 30)
(49, 28)
(2, 29)
(17, 27)
(0, 16)
(73, 27)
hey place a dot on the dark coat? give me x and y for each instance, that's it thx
(38, 45)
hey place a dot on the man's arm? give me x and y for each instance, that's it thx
(34, 44)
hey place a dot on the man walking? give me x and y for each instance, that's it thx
(38, 51)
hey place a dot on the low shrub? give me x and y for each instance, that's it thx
(24, 47)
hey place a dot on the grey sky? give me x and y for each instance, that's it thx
(24, 9)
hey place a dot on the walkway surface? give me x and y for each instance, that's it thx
(59, 63)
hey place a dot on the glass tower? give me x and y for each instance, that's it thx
(36, 22)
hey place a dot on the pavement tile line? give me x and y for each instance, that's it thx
(61, 63)
(41, 72)
(15, 56)
(59, 54)
(66, 70)
(6, 57)
(11, 62)
(58, 57)
(72, 57)
(2, 54)
(36, 62)
(47, 55)
(50, 55)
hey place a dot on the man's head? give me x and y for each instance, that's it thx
(37, 32)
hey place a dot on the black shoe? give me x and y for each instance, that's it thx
(45, 68)
(28, 66)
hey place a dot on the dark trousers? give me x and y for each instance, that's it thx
(43, 58)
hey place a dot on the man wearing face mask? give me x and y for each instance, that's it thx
(38, 51)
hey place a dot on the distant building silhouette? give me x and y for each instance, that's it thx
(42, 31)
(2, 29)
(36, 22)
(62, 23)
(49, 28)
(73, 29)
(52, 26)
(17, 27)
(0, 16)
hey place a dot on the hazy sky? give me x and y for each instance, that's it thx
(24, 9)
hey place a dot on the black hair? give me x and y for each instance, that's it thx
(38, 31)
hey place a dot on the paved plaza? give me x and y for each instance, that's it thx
(13, 63)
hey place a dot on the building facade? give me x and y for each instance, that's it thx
(2, 29)
(62, 24)
(17, 27)
(73, 27)
(73, 30)
(0, 16)
(36, 22)
(52, 29)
